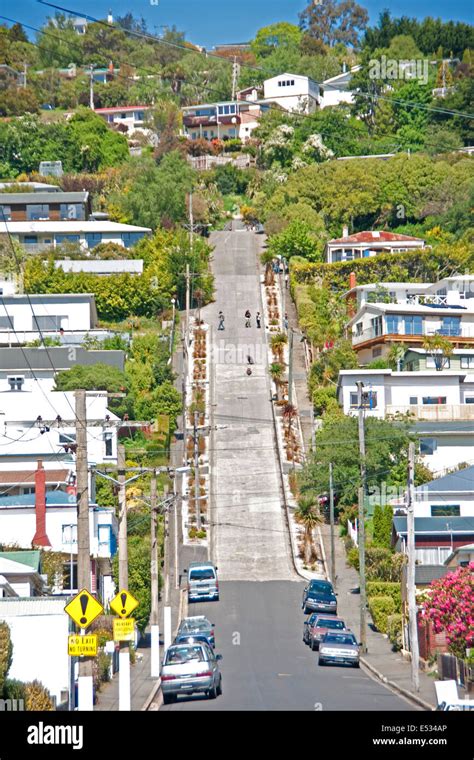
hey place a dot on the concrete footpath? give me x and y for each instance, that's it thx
(380, 661)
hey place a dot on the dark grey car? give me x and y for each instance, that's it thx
(319, 596)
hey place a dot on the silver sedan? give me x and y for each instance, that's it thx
(190, 668)
(339, 649)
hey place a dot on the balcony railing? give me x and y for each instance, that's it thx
(451, 331)
(433, 412)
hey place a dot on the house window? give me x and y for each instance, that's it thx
(435, 400)
(103, 532)
(469, 400)
(377, 328)
(16, 382)
(67, 438)
(392, 323)
(108, 440)
(369, 400)
(413, 325)
(71, 238)
(376, 352)
(446, 510)
(50, 322)
(131, 238)
(358, 328)
(444, 360)
(93, 239)
(413, 400)
(30, 240)
(70, 583)
(69, 535)
(467, 362)
(6, 323)
(71, 211)
(6, 213)
(37, 211)
(450, 326)
(428, 446)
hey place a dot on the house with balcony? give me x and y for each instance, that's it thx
(128, 119)
(438, 406)
(44, 206)
(44, 235)
(436, 538)
(407, 313)
(363, 245)
(226, 120)
(68, 317)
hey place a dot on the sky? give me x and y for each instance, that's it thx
(211, 22)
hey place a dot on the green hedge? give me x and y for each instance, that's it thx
(416, 266)
(394, 630)
(380, 608)
(386, 588)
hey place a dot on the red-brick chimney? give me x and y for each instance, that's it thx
(40, 538)
(352, 297)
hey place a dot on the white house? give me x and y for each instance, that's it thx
(449, 496)
(293, 92)
(394, 313)
(439, 406)
(39, 629)
(337, 90)
(129, 118)
(21, 572)
(41, 235)
(49, 519)
(36, 423)
(369, 243)
(68, 317)
(222, 120)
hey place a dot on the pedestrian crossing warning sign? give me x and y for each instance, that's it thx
(84, 608)
(124, 603)
(82, 646)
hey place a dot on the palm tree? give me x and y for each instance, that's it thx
(278, 341)
(276, 371)
(440, 348)
(308, 515)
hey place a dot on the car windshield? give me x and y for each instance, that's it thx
(340, 638)
(202, 575)
(196, 626)
(180, 655)
(333, 624)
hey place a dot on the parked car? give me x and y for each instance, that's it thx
(196, 628)
(319, 596)
(202, 581)
(317, 625)
(339, 649)
(190, 669)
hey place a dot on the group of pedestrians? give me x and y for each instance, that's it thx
(248, 320)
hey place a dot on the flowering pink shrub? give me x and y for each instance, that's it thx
(450, 607)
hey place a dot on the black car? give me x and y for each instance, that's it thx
(195, 629)
(319, 596)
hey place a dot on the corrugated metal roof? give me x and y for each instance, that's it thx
(31, 558)
(376, 236)
(12, 359)
(27, 477)
(436, 524)
(71, 227)
(455, 482)
(425, 574)
(43, 197)
(104, 266)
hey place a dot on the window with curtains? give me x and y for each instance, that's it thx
(393, 321)
(413, 325)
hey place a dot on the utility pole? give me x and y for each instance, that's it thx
(331, 521)
(188, 278)
(85, 684)
(91, 88)
(411, 587)
(196, 472)
(363, 470)
(290, 369)
(25, 72)
(235, 77)
(155, 569)
(166, 572)
(363, 597)
(124, 653)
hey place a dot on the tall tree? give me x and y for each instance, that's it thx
(269, 38)
(333, 22)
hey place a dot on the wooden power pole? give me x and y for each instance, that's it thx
(155, 569)
(124, 653)
(411, 587)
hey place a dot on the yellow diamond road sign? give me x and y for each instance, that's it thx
(79, 646)
(124, 630)
(124, 603)
(84, 609)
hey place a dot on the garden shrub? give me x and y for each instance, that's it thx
(394, 630)
(385, 588)
(380, 608)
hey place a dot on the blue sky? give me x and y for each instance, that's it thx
(209, 22)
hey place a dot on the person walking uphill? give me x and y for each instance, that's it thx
(248, 317)
(258, 319)
(221, 321)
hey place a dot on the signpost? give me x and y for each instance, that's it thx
(124, 629)
(82, 646)
(123, 605)
(83, 610)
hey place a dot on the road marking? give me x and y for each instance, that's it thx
(284, 675)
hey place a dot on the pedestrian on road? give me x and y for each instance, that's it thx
(287, 278)
(285, 321)
(250, 359)
(221, 321)
(248, 317)
(258, 319)
(249, 371)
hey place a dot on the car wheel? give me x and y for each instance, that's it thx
(212, 693)
(169, 698)
(321, 662)
(314, 646)
(306, 611)
(357, 664)
(219, 688)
